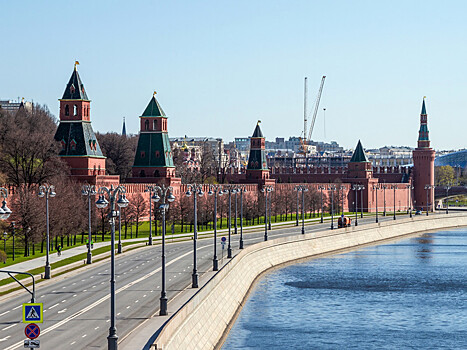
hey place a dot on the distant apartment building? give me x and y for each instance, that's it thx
(13, 106)
(390, 156)
(194, 147)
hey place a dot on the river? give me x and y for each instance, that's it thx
(411, 294)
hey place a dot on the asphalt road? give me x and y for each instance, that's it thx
(77, 308)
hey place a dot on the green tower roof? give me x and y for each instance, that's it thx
(423, 107)
(359, 154)
(257, 132)
(153, 109)
(75, 88)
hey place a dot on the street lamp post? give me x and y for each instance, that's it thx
(215, 190)
(321, 188)
(242, 190)
(230, 189)
(394, 187)
(376, 188)
(197, 190)
(151, 190)
(235, 220)
(355, 188)
(47, 191)
(448, 187)
(428, 189)
(101, 203)
(342, 188)
(361, 188)
(296, 219)
(303, 189)
(384, 199)
(332, 188)
(13, 234)
(5, 235)
(89, 190)
(163, 195)
(270, 207)
(266, 190)
(409, 197)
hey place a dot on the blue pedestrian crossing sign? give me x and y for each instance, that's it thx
(33, 313)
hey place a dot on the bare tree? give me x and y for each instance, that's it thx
(29, 154)
(120, 152)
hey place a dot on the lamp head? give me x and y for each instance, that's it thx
(170, 197)
(155, 197)
(200, 193)
(41, 193)
(122, 202)
(188, 193)
(101, 203)
(52, 193)
(210, 193)
(5, 209)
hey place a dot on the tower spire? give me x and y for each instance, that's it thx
(124, 128)
(423, 133)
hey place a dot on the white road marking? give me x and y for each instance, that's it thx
(6, 338)
(100, 301)
(74, 295)
(63, 300)
(83, 336)
(72, 343)
(128, 306)
(85, 290)
(144, 296)
(61, 311)
(52, 306)
(136, 301)
(5, 313)
(96, 328)
(4, 329)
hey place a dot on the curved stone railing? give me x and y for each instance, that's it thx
(206, 317)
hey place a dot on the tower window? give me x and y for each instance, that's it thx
(75, 110)
(67, 110)
(142, 154)
(146, 125)
(154, 124)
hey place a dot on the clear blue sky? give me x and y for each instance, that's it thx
(219, 66)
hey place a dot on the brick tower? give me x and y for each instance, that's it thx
(257, 168)
(80, 149)
(424, 166)
(153, 158)
(360, 171)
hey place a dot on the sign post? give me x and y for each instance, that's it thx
(223, 241)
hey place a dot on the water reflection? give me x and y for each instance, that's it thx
(382, 297)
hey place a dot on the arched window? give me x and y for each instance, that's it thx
(156, 173)
(75, 110)
(146, 125)
(142, 173)
(67, 110)
(154, 124)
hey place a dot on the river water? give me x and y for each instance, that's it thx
(411, 294)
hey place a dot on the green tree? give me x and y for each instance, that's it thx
(444, 175)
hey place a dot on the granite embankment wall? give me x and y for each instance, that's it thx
(203, 320)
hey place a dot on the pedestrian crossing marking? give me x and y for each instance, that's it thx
(32, 313)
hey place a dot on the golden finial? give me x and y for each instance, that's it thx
(22, 99)
(155, 92)
(424, 97)
(76, 63)
(259, 121)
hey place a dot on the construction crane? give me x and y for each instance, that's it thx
(315, 112)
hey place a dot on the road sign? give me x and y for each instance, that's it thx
(31, 344)
(32, 331)
(223, 239)
(33, 313)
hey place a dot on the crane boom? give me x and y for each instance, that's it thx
(315, 112)
(305, 112)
